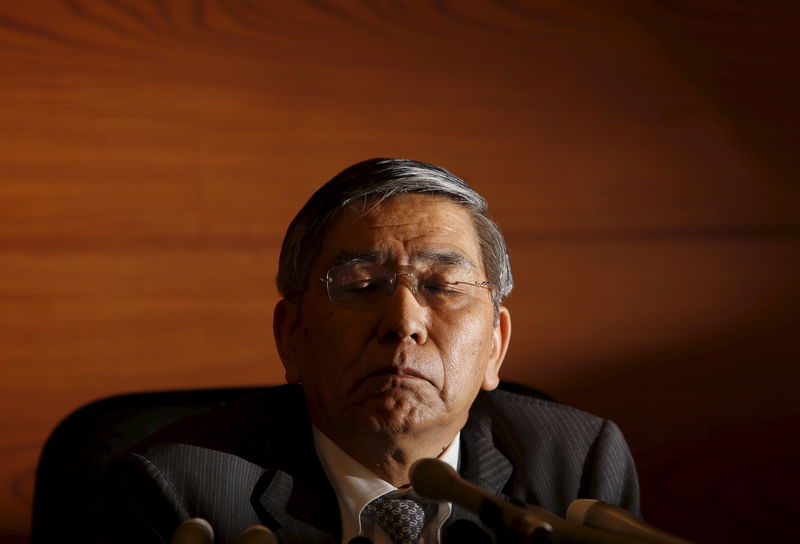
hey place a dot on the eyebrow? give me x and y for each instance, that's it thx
(350, 257)
(443, 256)
(437, 256)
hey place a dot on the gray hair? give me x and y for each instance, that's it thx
(383, 179)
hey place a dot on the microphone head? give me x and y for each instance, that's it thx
(578, 510)
(429, 477)
(193, 531)
(257, 534)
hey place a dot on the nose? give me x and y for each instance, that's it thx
(403, 317)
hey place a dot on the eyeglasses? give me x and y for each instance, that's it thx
(369, 284)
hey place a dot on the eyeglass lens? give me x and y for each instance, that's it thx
(367, 284)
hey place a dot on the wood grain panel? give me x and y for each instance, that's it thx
(640, 157)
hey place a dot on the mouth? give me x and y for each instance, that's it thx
(393, 375)
(402, 373)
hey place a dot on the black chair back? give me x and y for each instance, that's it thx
(66, 496)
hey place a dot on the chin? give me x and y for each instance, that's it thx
(400, 415)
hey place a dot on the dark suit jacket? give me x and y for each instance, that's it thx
(254, 462)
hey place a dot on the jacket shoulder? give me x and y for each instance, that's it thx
(532, 414)
(557, 453)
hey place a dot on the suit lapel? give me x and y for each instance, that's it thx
(294, 498)
(296, 509)
(481, 464)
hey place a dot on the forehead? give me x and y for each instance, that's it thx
(403, 229)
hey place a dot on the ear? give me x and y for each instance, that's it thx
(285, 326)
(501, 336)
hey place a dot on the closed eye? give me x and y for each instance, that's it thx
(443, 288)
(360, 285)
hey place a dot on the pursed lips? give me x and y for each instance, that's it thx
(401, 372)
(392, 371)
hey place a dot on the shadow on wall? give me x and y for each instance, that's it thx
(713, 424)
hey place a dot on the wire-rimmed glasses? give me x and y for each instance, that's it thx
(366, 284)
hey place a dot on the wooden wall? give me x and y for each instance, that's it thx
(639, 155)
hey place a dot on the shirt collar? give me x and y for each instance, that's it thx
(356, 485)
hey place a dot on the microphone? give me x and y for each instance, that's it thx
(436, 480)
(257, 534)
(193, 531)
(610, 517)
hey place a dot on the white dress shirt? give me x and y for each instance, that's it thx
(356, 486)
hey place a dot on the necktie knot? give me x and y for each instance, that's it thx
(401, 518)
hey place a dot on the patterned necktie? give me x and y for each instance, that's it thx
(401, 518)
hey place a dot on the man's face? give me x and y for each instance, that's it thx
(397, 365)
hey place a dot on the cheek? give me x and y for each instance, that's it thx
(330, 343)
(466, 348)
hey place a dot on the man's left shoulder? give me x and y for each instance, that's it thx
(551, 453)
(522, 421)
(532, 410)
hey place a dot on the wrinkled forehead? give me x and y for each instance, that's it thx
(407, 229)
(416, 258)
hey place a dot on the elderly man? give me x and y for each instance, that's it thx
(392, 332)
